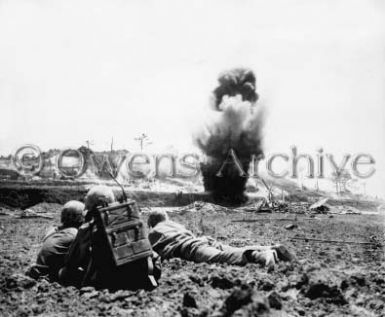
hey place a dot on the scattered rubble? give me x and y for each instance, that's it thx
(29, 213)
(330, 278)
(46, 208)
(320, 206)
(345, 210)
(264, 206)
(41, 210)
(202, 207)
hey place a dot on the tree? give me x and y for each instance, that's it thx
(341, 179)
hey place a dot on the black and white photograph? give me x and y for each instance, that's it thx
(192, 158)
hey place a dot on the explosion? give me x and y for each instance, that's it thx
(232, 137)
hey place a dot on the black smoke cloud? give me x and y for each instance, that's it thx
(237, 81)
(236, 125)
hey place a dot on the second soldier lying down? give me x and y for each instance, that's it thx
(172, 240)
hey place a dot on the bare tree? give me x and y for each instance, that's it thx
(341, 179)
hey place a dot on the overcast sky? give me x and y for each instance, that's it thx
(72, 71)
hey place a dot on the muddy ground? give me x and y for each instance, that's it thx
(328, 279)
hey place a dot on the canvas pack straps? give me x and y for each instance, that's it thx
(126, 235)
(125, 231)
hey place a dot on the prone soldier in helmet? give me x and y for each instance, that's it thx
(57, 242)
(170, 239)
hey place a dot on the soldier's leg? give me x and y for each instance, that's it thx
(220, 253)
(210, 254)
(236, 256)
(224, 247)
(209, 250)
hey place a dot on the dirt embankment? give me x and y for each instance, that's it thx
(24, 195)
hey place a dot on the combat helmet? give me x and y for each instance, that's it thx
(72, 214)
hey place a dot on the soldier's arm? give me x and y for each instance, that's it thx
(76, 259)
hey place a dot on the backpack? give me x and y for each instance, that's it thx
(121, 256)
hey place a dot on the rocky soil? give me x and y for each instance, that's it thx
(328, 279)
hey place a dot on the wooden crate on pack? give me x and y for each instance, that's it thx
(126, 233)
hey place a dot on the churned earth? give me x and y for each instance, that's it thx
(328, 279)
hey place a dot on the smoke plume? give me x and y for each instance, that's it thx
(236, 128)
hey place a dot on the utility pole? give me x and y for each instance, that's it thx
(88, 142)
(143, 140)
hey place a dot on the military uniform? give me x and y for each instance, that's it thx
(88, 262)
(50, 258)
(170, 239)
(77, 257)
(91, 261)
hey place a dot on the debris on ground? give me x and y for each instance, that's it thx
(260, 206)
(345, 210)
(334, 276)
(203, 207)
(374, 242)
(43, 208)
(4, 212)
(291, 226)
(29, 213)
(320, 206)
